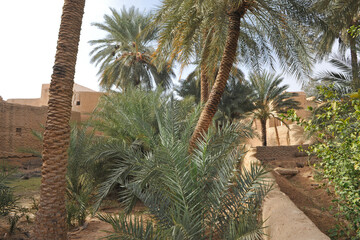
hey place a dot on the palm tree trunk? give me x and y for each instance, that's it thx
(204, 82)
(354, 63)
(204, 79)
(227, 61)
(263, 132)
(51, 217)
(277, 133)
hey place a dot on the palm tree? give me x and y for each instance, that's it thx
(191, 196)
(270, 98)
(125, 54)
(339, 16)
(267, 27)
(342, 75)
(232, 106)
(51, 217)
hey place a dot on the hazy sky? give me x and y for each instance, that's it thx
(29, 37)
(28, 43)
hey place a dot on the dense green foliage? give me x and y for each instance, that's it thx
(81, 183)
(235, 102)
(337, 128)
(191, 196)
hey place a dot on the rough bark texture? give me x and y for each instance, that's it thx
(263, 132)
(354, 64)
(204, 79)
(221, 79)
(51, 217)
(277, 133)
(204, 84)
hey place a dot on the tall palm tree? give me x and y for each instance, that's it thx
(339, 16)
(267, 28)
(270, 98)
(125, 54)
(51, 217)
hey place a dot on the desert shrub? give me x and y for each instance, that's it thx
(336, 125)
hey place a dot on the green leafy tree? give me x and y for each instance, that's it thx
(195, 195)
(125, 54)
(270, 99)
(261, 28)
(337, 131)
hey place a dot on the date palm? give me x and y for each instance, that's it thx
(342, 75)
(339, 16)
(51, 217)
(270, 98)
(262, 29)
(191, 196)
(125, 54)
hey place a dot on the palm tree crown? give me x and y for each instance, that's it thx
(339, 16)
(341, 77)
(267, 27)
(125, 54)
(270, 98)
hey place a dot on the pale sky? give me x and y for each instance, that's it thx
(29, 32)
(28, 43)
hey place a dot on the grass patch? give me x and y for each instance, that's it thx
(24, 187)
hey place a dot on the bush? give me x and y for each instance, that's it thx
(199, 195)
(337, 128)
(7, 198)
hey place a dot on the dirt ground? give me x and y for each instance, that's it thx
(93, 228)
(309, 194)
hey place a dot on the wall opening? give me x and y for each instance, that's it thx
(18, 131)
(77, 103)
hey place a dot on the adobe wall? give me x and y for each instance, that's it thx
(35, 102)
(84, 100)
(277, 152)
(16, 123)
(85, 103)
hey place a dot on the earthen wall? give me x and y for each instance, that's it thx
(16, 125)
(278, 152)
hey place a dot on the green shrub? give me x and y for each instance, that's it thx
(337, 128)
(199, 195)
(7, 198)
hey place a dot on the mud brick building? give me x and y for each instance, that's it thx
(18, 117)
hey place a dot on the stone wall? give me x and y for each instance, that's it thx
(16, 123)
(278, 152)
